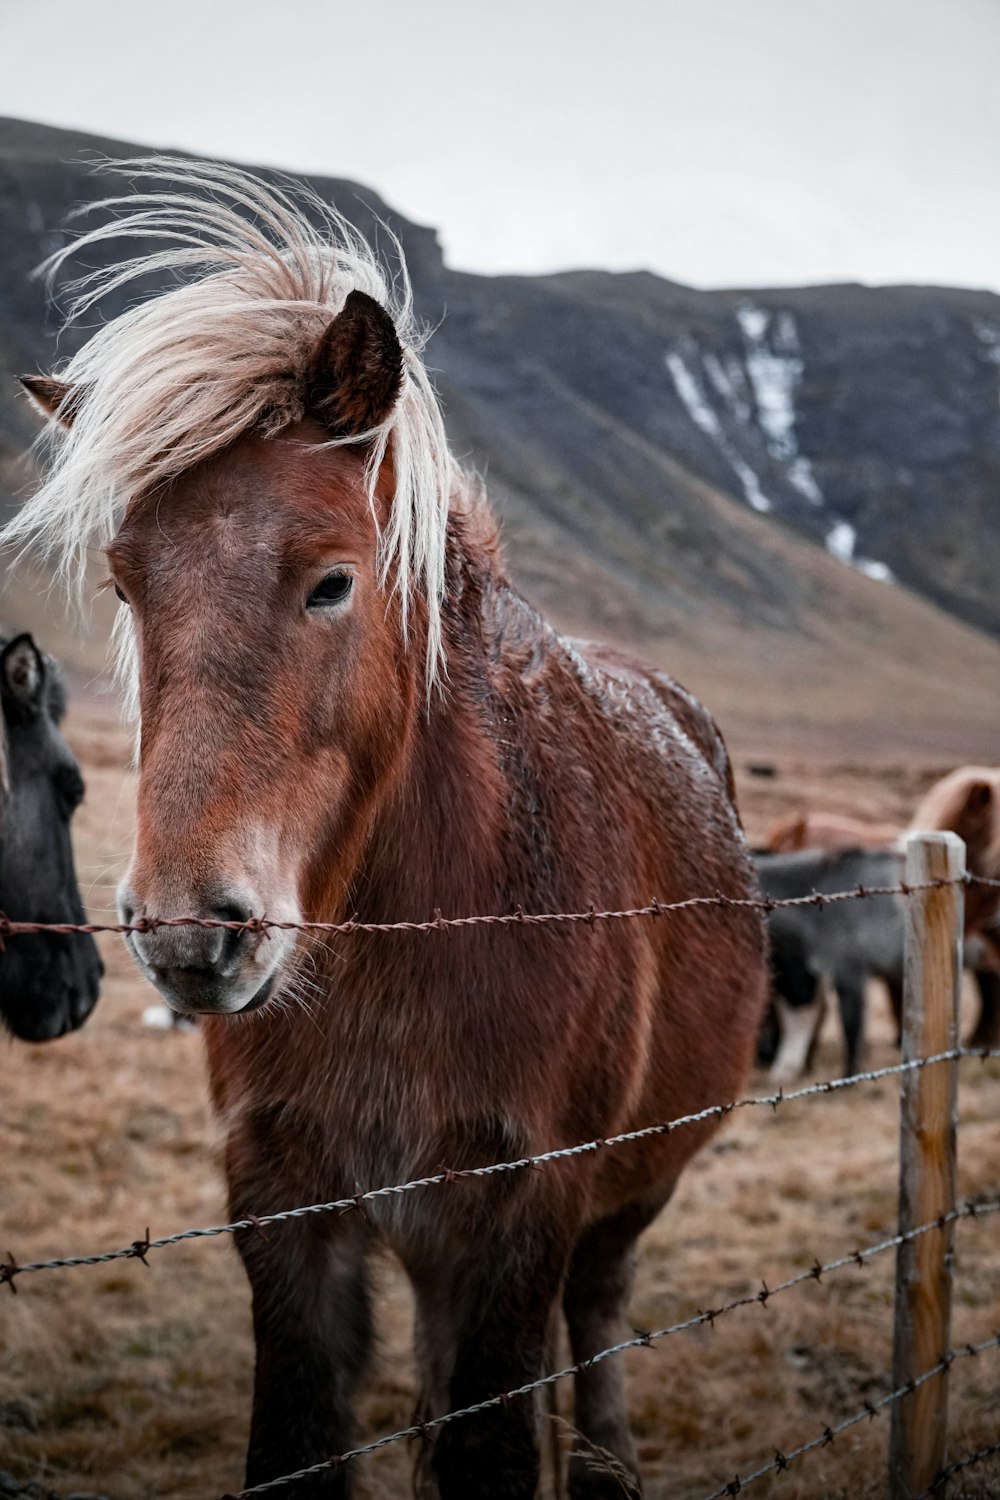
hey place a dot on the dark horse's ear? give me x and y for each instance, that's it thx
(22, 673)
(355, 374)
(56, 400)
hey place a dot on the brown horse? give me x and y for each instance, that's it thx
(831, 831)
(967, 801)
(347, 710)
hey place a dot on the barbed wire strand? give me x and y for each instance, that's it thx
(642, 1341)
(518, 918)
(871, 1409)
(143, 1244)
(960, 1464)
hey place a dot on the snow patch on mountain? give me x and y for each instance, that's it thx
(841, 541)
(774, 366)
(800, 473)
(692, 393)
(730, 381)
(733, 401)
(989, 337)
(726, 395)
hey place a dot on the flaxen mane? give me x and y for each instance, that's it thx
(179, 377)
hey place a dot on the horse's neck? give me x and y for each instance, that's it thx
(435, 845)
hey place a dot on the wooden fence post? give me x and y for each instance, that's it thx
(922, 1329)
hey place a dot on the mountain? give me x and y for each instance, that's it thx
(790, 498)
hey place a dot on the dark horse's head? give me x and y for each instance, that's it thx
(264, 453)
(48, 982)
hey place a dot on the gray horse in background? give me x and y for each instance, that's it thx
(846, 943)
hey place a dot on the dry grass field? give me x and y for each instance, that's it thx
(128, 1381)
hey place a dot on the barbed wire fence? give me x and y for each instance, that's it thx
(143, 1245)
(517, 918)
(918, 1466)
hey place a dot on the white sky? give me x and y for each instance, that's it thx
(719, 142)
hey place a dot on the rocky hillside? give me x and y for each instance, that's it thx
(727, 477)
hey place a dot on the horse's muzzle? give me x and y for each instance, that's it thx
(49, 983)
(211, 969)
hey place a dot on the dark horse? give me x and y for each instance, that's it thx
(346, 710)
(49, 982)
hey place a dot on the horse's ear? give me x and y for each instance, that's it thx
(56, 400)
(22, 672)
(355, 374)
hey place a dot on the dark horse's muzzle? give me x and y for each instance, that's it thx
(49, 983)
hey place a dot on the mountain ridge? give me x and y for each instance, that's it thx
(654, 452)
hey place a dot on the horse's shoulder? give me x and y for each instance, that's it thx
(585, 683)
(655, 702)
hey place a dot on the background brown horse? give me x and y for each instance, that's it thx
(821, 830)
(967, 801)
(346, 709)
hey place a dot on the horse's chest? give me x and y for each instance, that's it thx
(378, 1106)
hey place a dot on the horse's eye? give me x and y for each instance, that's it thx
(120, 594)
(334, 589)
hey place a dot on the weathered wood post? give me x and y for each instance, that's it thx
(932, 981)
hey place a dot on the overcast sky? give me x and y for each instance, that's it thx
(719, 142)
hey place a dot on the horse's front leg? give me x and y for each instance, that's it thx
(482, 1327)
(603, 1464)
(312, 1326)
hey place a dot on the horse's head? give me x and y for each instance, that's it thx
(261, 448)
(48, 982)
(276, 695)
(967, 802)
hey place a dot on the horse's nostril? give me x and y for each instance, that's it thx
(233, 940)
(233, 911)
(193, 954)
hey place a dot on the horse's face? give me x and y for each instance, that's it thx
(275, 697)
(48, 982)
(967, 802)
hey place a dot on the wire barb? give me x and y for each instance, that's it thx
(257, 1227)
(9, 1268)
(141, 1248)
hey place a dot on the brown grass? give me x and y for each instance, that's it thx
(136, 1382)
